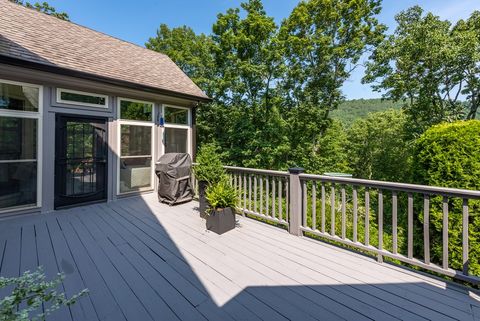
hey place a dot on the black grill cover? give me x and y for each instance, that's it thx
(174, 178)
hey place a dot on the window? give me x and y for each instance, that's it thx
(177, 131)
(18, 97)
(136, 110)
(135, 145)
(20, 150)
(73, 97)
(176, 140)
(176, 116)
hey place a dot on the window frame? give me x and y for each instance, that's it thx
(119, 108)
(74, 103)
(144, 123)
(187, 126)
(38, 115)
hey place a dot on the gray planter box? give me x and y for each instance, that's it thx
(221, 220)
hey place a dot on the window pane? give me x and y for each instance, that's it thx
(18, 138)
(176, 140)
(18, 184)
(135, 110)
(136, 140)
(135, 174)
(82, 98)
(17, 97)
(176, 116)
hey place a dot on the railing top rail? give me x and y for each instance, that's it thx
(402, 187)
(256, 171)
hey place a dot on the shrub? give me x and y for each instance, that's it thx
(209, 167)
(30, 292)
(449, 155)
(221, 195)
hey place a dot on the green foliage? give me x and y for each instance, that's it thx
(271, 100)
(209, 167)
(43, 7)
(448, 155)
(30, 292)
(350, 110)
(378, 149)
(221, 195)
(430, 66)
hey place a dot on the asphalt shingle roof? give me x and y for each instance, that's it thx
(39, 38)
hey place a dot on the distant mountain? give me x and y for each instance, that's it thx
(350, 110)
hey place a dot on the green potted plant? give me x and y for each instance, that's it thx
(221, 213)
(208, 171)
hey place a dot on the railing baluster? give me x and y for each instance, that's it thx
(267, 195)
(314, 205)
(239, 192)
(287, 205)
(323, 207)
(261, 194)
(332, 208)
(250, 192)
(355, 214)
(255, 194)
(304, 203)
(410, 227)
(244, 194)
(273, 197)
(426, 228)
(367, 217)
(380, 224)
(445, 233)
(394, 222)
(344, 214)
(465, 247)
(280, 205)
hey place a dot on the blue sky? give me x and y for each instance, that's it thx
(136, 21)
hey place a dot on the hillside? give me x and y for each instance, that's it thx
(350, 110)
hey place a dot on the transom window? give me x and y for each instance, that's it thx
(74, 97)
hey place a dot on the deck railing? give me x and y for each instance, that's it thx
(374, 216)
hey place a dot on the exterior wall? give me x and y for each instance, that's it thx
(51, 107)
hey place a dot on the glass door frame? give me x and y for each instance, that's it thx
(104, 196)
(150, 124)
(38, 115)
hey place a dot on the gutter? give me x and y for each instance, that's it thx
(92, 77)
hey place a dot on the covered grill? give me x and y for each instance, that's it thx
(174, 178)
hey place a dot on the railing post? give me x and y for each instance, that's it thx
(295, 201)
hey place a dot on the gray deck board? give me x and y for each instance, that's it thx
(142, 260)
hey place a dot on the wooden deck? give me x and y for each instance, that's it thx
(142, 260)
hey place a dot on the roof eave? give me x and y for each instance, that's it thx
(88, 76)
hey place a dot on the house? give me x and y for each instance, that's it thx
(83, 115)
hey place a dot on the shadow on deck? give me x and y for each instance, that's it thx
(142, 260)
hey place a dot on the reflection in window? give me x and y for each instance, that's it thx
(176, 140)
(18, 97)
(18, 162)
(135, 158)
(136, 110)
(176, 116)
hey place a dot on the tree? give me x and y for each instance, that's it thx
(377, 148)
(323, 42)
(428, 65)
(43, 7)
